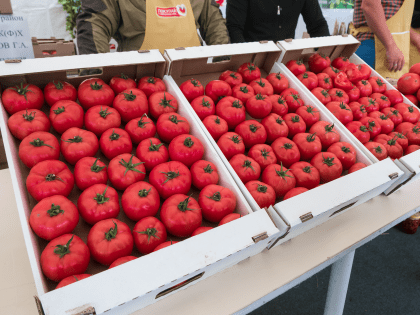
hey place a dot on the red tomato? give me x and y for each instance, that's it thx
(231, 144)
(394, 96)
(318, 62)
(403, 127)
(308, 144)
(279, 105)
(365, 71)
(201, 229)
(296, 67)
(243, 92)
(140, 200)
(401, 139)
(140, 129)
(295, 123)
(373, 125)
(186, 149)
(415, 68)
(249, 72)
(413, 99)
(90, 171)
(203, 106)
(131, 103)
(322, 95)
(332, 72)
(395, 151)
(387, 125)
(413, 135)
(163, 245)
(262, 86)
(231, 77)
(192, 89)
(340, 62)
(292, 99)
(341, 110)
(354, 94)
(382, 100)
(377, 149)
(408, 83)
(64, 256)
(275, 127)
(71, 279)
(229, 218)
(115, 141)
(152, 152)
(263, 154)
(324, 81)
(216, 202)
(22, 123)
(93, 92)
(161, 103)
(122, 260)
(342, 82)
(49, 178)
(59, 91)
(125, 169)
(359, 130)
(326, 133)
(100, 118)
(218, 89)
(393, 114)
(181, 215)
(338, 95)
(408, 112)
(170, 178)
(308, 79)
(148, 234)
(25, 96)
(278, 81)
(204, 173)
(216, 126)
(245, 167)
(378, 86)
(231, 110)
(306, 175)
(359, 110)
(171, 125)
(263, 194)
(121, 82)
(109, 240)
(371, 104)
(38, 146)
(53, 216)
(345, 152)
(65, 115)
(286, 152)
(365, 88)
(294, 192)
(412, 148)
(251, 132)
(356, 167)
(353, 73)
(258, 106)
(328, 165)
(77, 143)
(279, 178)
(150, 85)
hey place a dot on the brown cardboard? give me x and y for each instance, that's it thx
(6, 7)
(52, 47)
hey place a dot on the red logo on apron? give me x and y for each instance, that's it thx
(178, 11)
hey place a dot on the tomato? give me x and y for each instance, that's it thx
(294, 192)
(318, 62)
(263, 194)
(359, 130)
(308, 144)
(124, 170)
(171, 125)
(64, 256)
(326, 133)
(90, 171)
(140, 200)
(59, 91)
(243, 92)
(395, 151)
(122, 260)
(181, 215)
(332, 72)
(140, 129)
(286, 152)
(251, 132)
(115, 141)
(373, 125)
(203, 106)
(371, 104)
(98, 202)
(279, 105)
(204, 173)
(278, 81)
(53, 216)
(387, 125)
(262, 86)
(121, 82)
(218, 89)
(231, 77)
(408, 112)
(170, 178)
(359, 110)
(403, 127)
(65, 115)
(263, 154)
(216, 202)
(93, 92)
(161, 103)
(296, 67)
(356, 167)
(163, 245)
(354, 94)
(49, 178)
(382, 100)
(231, 144)
(341, 110)
(322, 95)
(338, 95)
(150, 85)
(131, 103)
(100, 118)
(186, 149)
(201, 229)
(378, 86)
(401, 139)
(152, 152)
(25, 96)
(216, 126)
(249, 72)
(328, 165)
(295, 123)
(192, 89)
(324, 81)
(353, 73)
(148, 234)
(393, 114)
(365, 88)
(413, 99)
(279, 178)
(275, 127)
(245, 167)
(306, 175)
(308, 79)
(408, 83)
(377, 149)
(23, 123)
(415, 69)
(412, 148)
(342, 82)
(365, 70)
(77, 143)
(258, 106)
(413, 135)
(345, 152)
(231, 110)
(71, 279)
(340, 62)
(394, 96)
(292, 99)
(38, 146)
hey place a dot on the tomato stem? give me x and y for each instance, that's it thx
(283, 173)
(58, 85)
(295, 119)
(112, 233)
(130, 97)
(39, 143)
(251, 67)
(95, 167)
(278, 76)
(345, 149)
(149, 232)
(29, 117)
(236, 104)
(265, 153)
(217, 120)
(188, 142)
(142, 123)
(63, 249)
(279, 120)
(154, 147)
(232, 74)
(195, 83)
(151, 80)
(51, 177)
(129, 166)
(123, 76)
(22, 90)
(54, 210)
(260, 83)
(114, 135)
(253, 128)
(96, 86)
(104, 113)
(329, 128)
(100, 198)
(75, 139)
(59, 110)
(259, 97)
(378, 149)
(170, 175)
(144, 192)
(235, 139)
(174, 119)
(208, 169)
(262, 188)
(244, 89)
(328, 160)
(205, 103)
(216, 196)
(307, 169)
(248, 164)
(183, 205)
(164, 102)
(287, 146)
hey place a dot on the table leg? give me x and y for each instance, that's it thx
(337, 288)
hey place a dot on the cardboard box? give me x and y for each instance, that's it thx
(345, 46)
(6, 7)
(143, 281)
(52, 47)
(315, 206)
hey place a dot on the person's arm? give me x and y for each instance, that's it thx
(415, 38)
(375, 18)
(314, 20)
(97, 22)
(212, 24)
(236, 11)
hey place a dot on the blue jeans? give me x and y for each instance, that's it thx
(366, 51)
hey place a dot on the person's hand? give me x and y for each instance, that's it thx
(415, 39)
(395, 58)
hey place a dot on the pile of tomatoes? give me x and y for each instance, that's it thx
(377, 117)
(409, 84)
(276, 144)
(150, 177)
